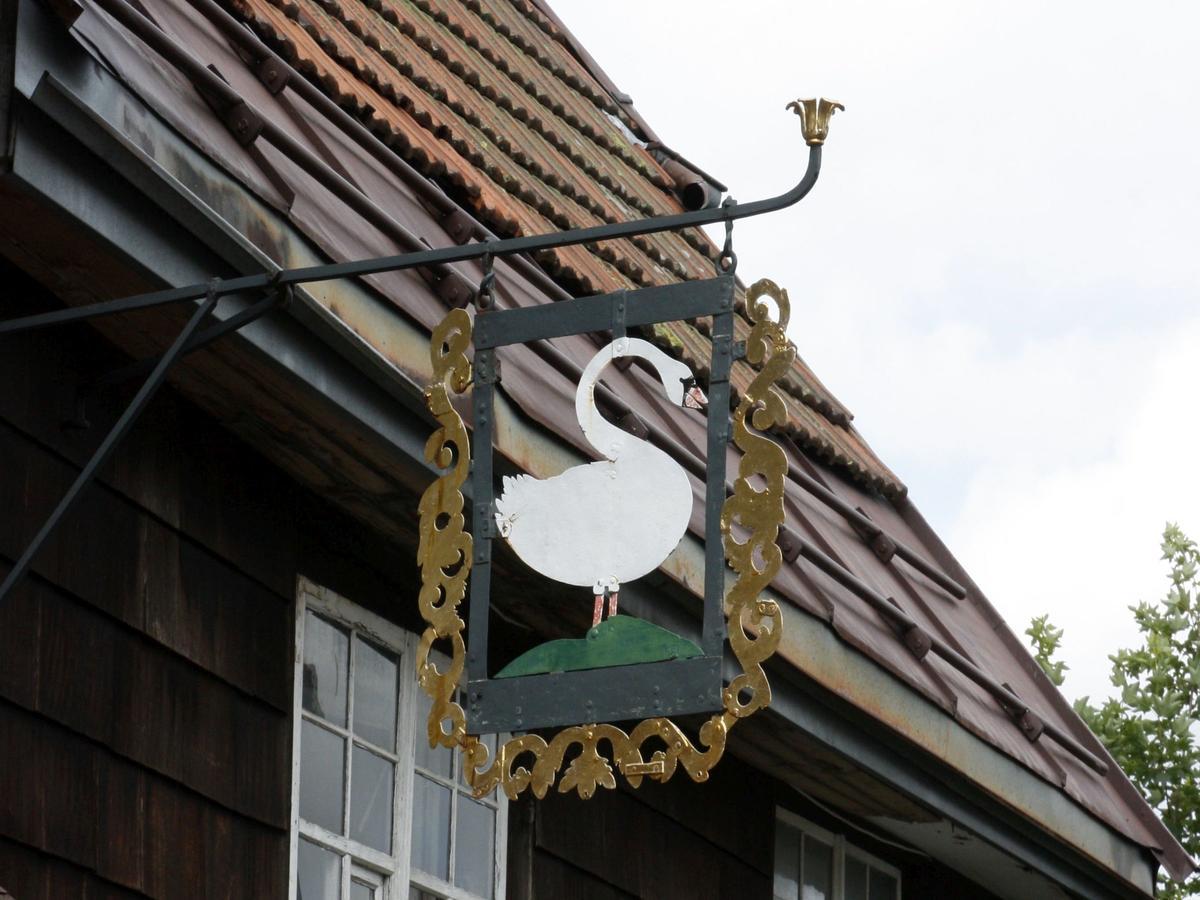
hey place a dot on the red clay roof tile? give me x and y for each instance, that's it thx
(488, 97)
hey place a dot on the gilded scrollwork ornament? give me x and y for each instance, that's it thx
(593, 754)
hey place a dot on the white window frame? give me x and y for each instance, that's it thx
(842, 848)
(394, 871)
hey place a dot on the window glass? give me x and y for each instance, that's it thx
(787, 862)
(374, 695)
(326, 657)
(883, 886)
(814, 864)
(856, 879)
(361, 735)
(322, 758)
(431, 828)
(371, 789)
(475, 827)
(817, 870)
(318, 872)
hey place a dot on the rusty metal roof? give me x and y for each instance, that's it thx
(970, 625)
(488, 98)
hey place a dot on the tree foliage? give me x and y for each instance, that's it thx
(1151, 727)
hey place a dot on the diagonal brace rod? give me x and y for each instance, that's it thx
(198, 341)
(147, 390)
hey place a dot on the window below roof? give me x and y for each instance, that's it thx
(377, 814)
(812, 863)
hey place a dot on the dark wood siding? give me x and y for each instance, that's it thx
(145, 662)
(678, 840)
(684, 841)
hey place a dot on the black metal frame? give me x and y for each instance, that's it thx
(618, 693)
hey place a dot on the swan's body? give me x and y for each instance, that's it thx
(610, 521)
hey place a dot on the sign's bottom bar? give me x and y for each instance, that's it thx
(620, 693)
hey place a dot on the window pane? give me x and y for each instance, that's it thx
(375, 695)
(415, 893)
(371, 780)
(322, 758)
(787, 862)
(474, 847)
(361, 891)
(817, 870)
(883, 886)
(326, 656)
(317, 876)
(439, 761)
(431, 828)
(856, 879)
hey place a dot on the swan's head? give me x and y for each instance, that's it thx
(677, 379)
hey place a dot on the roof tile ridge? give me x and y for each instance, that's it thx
(562, 38)
(433, 89)
(573, 264)
(638, 264)
(657, 249)
(613, 181)
(638, 269)
(615, 143)
(591, 90)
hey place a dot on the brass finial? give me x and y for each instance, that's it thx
(814, 118)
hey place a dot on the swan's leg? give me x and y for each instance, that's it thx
(612, 603)
(599, 610)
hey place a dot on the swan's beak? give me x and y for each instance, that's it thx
(695, 399)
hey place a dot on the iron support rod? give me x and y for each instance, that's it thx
(106, 308)
(123, 424)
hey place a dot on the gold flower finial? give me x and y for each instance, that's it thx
(814, 118)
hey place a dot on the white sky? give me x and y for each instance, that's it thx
(997, 271)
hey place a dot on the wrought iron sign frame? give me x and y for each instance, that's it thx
(669, 687)
(450, 556)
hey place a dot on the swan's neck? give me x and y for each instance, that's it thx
(609, 440)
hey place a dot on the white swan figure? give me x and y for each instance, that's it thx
(613, 520)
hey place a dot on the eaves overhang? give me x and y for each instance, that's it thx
(358, 357)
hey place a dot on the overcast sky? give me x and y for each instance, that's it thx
(997, 271)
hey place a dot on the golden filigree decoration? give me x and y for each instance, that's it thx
(814, 117)
(750, 520)
(444, 546)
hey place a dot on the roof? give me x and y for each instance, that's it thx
(491, 101)
(544, 81)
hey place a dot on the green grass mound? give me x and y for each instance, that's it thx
(617, 641)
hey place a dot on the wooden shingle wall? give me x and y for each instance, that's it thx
(145, 663)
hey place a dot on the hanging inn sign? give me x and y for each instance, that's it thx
(597, 526)
(590, 529)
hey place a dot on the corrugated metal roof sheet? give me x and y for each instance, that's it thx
(488, 99)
